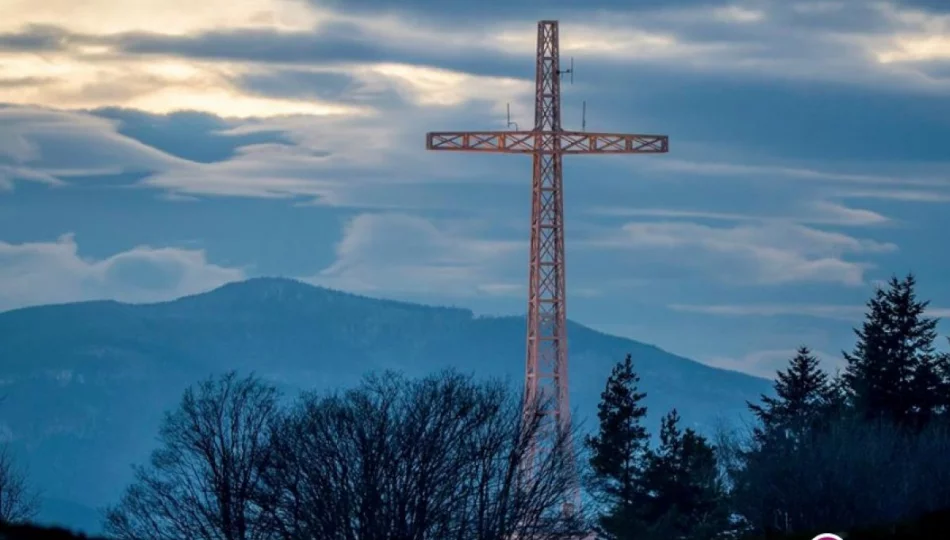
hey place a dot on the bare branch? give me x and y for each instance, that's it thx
(18, 503)
(437, 457)
(200, 484)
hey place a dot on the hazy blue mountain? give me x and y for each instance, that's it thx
(86, 383)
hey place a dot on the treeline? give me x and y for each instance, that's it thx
(867, 447)
(440, 457)
(393, 458)
(24, 531)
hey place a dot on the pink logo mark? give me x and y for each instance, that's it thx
(827, 536)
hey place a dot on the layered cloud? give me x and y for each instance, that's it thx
(805, 137)
(383, 254)
(332, 162)
(765, 363)
(403, 254)
(768, 253)
(71, 144)
(848, 313)
(396, 254)
(371, 85)
(164, 56)
(350, 164)
(55, 272)
(814, 212)
(173, 17)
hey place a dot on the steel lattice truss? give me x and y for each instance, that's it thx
(546, 361)
(530, 142)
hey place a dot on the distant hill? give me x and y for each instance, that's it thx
(86, 383)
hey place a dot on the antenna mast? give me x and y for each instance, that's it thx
(510, 123)
(570, 71)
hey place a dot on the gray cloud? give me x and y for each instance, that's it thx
(404, 254)
(746, 254)
(777, 38)
(36, 38)
(823, 83)
(193, 136)
(492, 10)
(816, 213)
(304, 84)
(833, 14)
(339, 43)
(772, 110)
(906, 195)
(25, 82)
(837, 312)
(337, 161)
(933, 6)
(849, 313)
(335, 43)
(765, 363)
(49, 143)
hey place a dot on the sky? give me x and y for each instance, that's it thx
(158, 148)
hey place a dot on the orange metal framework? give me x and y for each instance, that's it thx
(527, 142)
(546, 362)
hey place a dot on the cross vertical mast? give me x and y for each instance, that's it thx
(546, 359)
(546, 355)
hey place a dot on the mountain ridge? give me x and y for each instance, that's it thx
(88, 382)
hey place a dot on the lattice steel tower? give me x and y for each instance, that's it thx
(546, 362)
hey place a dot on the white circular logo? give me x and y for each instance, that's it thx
(827, 536)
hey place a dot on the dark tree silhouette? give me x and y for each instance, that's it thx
(804, 397)
(862, 449)
(30, 531)
(617, 452)
(401, 459)
(893, 372)
(685, 497)
(18, 503)
(765, 488)
(200, 484)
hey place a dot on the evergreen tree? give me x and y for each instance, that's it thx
(804, 396)
(893, 372)
(942, 365)
(617, 451)
(684, 495)
(837, 397)
(805, 400)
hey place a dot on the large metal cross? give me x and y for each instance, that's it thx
(546, 361)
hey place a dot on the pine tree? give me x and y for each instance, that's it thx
(942, 365)
(805, 401)
(893, 372)
(804, 398)
(618, 450)
(837, 397)
(685, 497)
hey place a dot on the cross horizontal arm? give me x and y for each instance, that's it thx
(530, 142)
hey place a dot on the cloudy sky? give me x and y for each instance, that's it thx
(155, 148)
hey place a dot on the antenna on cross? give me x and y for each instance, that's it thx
(569, 70)
(510, 123)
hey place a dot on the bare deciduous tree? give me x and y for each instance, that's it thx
(400, 459)
(200, 483)
(18, 503)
